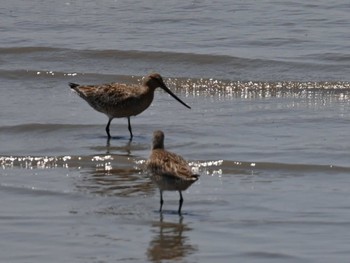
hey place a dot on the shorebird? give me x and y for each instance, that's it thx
(169, 171)
(121, 100)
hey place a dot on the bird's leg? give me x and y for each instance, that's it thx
(107, 127)
(129, 127)
(161, 201)
(108, 145)
(180, 202)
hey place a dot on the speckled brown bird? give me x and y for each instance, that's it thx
(121, 100)
(169, 171)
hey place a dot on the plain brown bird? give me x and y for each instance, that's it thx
(169, 171)
(121, 100)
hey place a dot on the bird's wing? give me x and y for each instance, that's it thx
(170, 164)
(103, 96)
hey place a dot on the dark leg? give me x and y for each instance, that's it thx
(161, 201)
(180, 202)
(129, 127)
(107, 127)
(108, 145)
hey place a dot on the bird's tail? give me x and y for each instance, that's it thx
(195, 177)
(73, 85)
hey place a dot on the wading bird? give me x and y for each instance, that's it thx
(169, 171)
(121, 100)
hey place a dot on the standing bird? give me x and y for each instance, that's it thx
(168, 170)
(120, 100)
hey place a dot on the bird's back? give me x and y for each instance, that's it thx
(115, 99)
(170, 171)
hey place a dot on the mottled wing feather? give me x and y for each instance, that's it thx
(107, 93)
(108, 98)
(165, 163)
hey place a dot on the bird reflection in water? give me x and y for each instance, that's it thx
(114, 171)
(125, 148)
(114, 176)
(119, 148)
(170, 241)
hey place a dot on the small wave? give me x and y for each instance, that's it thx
(221, 167)
(329, 58)
(50, 74)
(151, 56)
(40, 127)
(191, 65)
(256, 88)
(33, 190)
(100, 162)
(214, 167)
(268, 255)
(198, 86)
(34, 74)
(100, 174)
(26, 50)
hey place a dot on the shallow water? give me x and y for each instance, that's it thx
(269, 91)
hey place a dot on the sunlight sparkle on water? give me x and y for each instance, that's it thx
(205, 167)
(102, 158)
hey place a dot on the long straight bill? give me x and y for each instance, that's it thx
(174, 96)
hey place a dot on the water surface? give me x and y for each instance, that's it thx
(269, 88)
